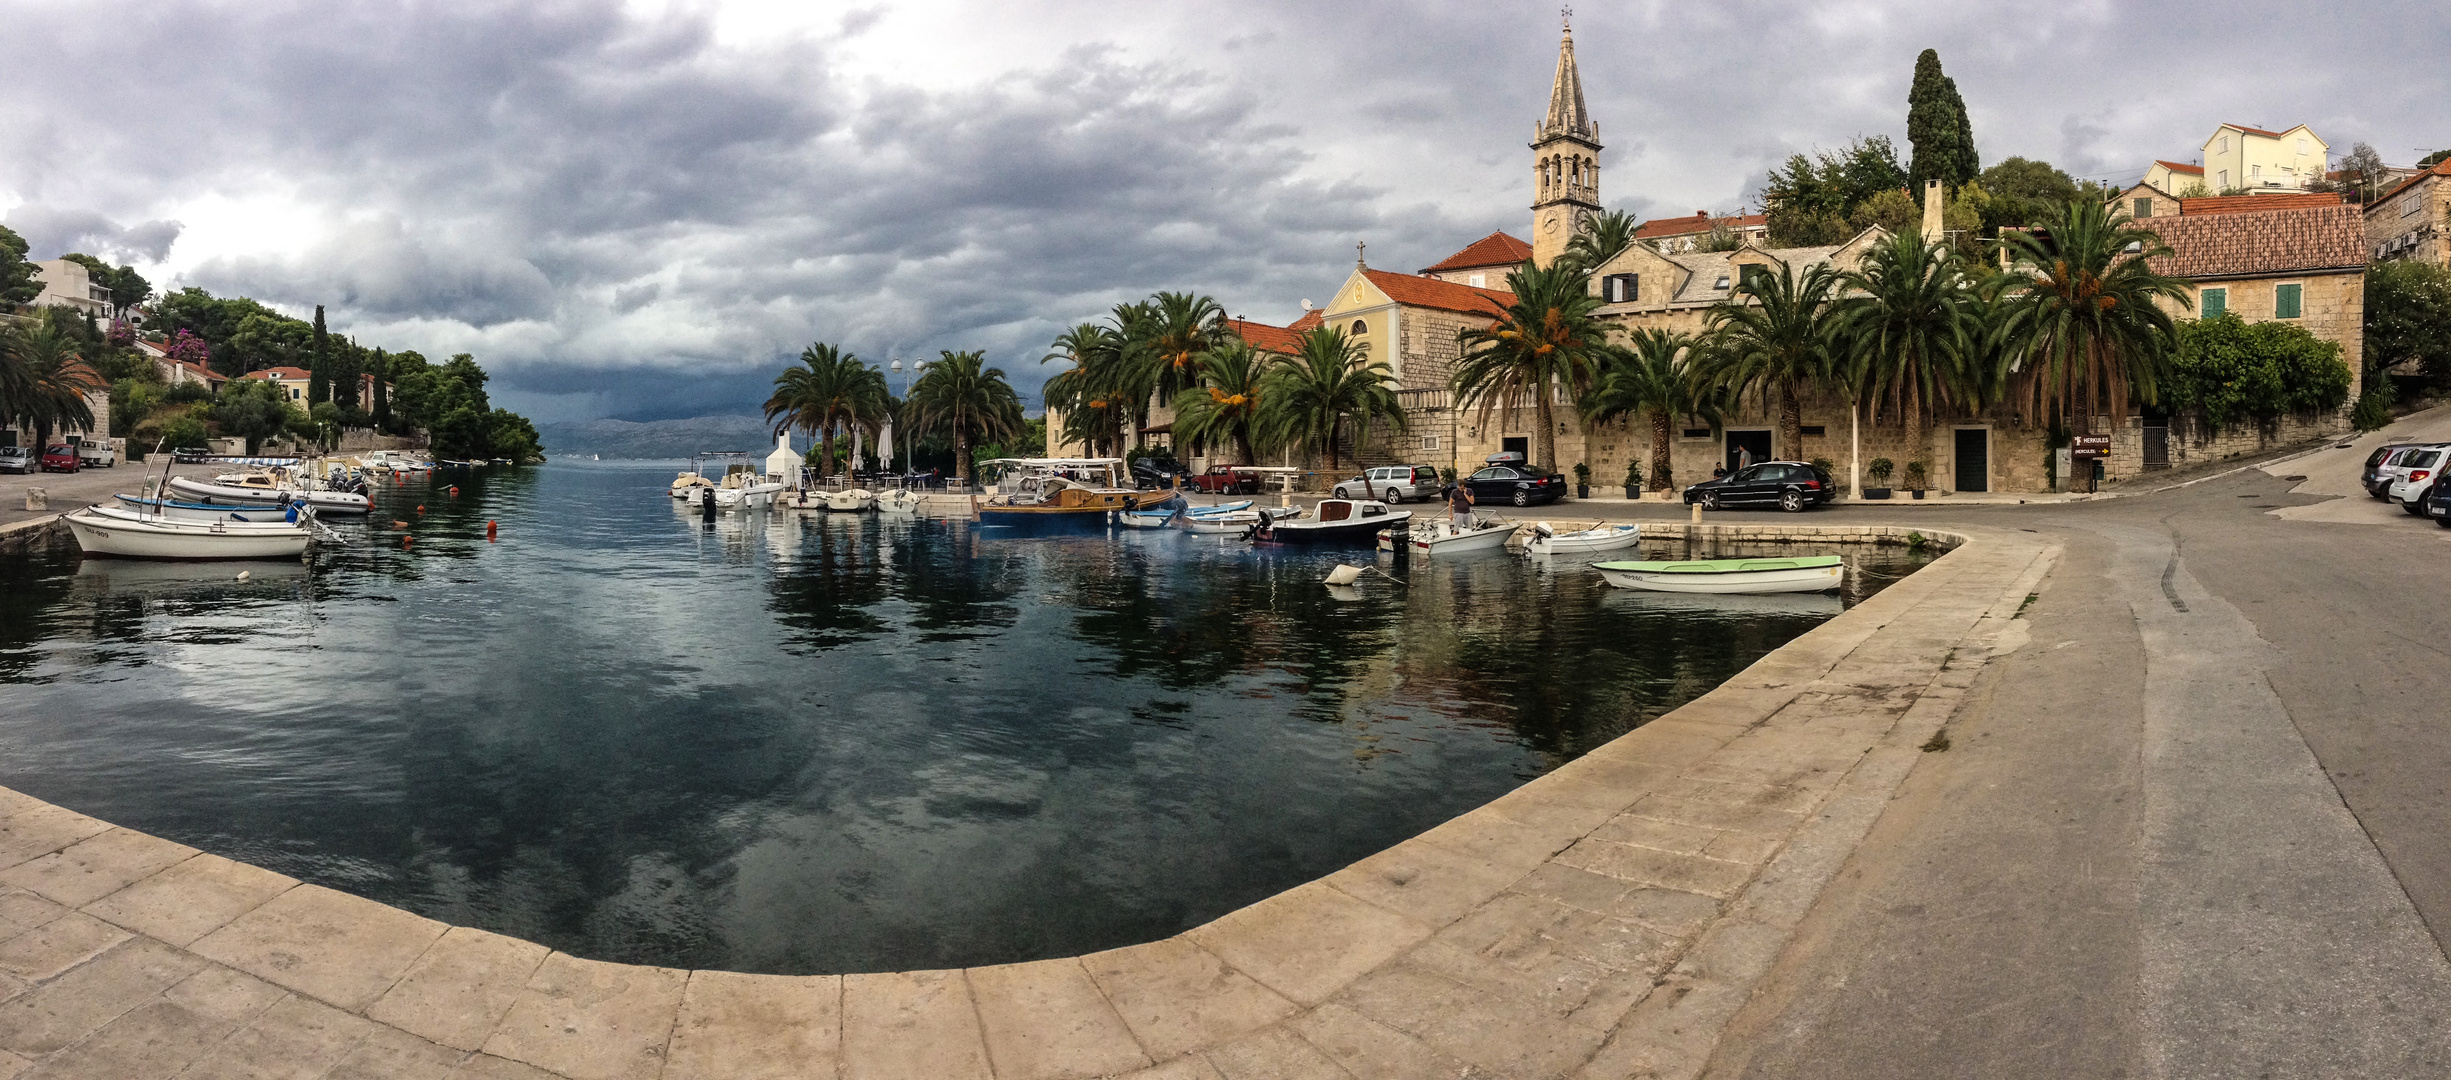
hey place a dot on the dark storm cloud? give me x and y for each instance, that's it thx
(621, 213)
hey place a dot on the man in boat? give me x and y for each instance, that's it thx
(1459, 506)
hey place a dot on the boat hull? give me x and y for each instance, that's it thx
(1356, 532)
(327, 502)
(854, 501)
(898, 501)
(1043, 520)
(1448, 542)
(1589, 540)
(98, 535)
(1230, 523)
(201, 512)
(1735, 580)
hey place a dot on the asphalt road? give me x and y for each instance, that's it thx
(2194, 828)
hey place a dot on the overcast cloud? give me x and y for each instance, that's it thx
(641, 210)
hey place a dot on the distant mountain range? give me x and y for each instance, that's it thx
(656, 438)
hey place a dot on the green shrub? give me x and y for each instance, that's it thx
(2374, 406)
(1878, 469)
(2230, 370)
(183, 432)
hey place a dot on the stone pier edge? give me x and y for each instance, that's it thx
(1605, 920)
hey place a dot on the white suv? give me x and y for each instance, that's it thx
(1391, 484)
(2411, 472)
(96, 455)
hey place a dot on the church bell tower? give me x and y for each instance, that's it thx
(1565, 161)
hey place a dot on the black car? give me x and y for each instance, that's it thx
(1152, 475)
(1516, 483)
(1793, 486)
(2436, 502)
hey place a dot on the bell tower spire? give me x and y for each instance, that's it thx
(1565, 158)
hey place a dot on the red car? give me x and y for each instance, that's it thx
(1227, 480)
(61, 458)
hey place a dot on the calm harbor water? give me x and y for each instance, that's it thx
(808, 744)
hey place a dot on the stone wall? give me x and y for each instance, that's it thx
(2419, 212)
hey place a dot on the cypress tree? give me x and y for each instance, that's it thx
(1939, 138)
(318, 364)
(382, 395)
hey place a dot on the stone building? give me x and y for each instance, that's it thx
(1484, 263)
(2407, 221)
(2144, 200)
(1684, 234)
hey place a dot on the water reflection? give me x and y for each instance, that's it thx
(808, 742)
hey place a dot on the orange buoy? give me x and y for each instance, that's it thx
(455, 491)
(421, 509)
(489, 532)
(405, 541)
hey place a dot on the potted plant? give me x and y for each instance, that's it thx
(1633, 480)
(1879, 469)
(1914, 479)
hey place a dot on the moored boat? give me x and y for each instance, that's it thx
(898, 501)
(853, 501)
(1808, 573)
(1547, 541)
(137, 537)
(1443, 538)
(1056, 496)
(176, 510)
(1231, 522)
(268, 493)
(1333, 521)
(1147, 519)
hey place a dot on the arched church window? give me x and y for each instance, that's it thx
(1360, 327)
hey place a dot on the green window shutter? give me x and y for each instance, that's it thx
(2144, 209)
(2285, 301)
(2215, 302)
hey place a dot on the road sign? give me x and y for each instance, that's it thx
(2090, 447)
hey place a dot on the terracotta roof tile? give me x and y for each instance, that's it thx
(2256, 131)
(1309, 319)
(1496, 249)
(2183, 170)
(2251, 204)
(2439, 168)
(2259, 243)
(279, 373)
(1698, 222)
(1266, 338)
(1443, 295)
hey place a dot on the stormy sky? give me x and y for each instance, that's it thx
(643, 210)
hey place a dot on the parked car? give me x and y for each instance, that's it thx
(60, 458)
(1391, 484)
(16, 459)
(2436, 502)
(1508, 479)
(2410, 472)
(190, 455)
(1227, 480)
(2372, 476)
(1793, 486)
(97, 455)
(1150, 475)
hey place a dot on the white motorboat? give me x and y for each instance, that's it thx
(101, 532)
(262, 490)
(176, 510)
(1220, 508)
(1334, 521)
(852, 501)
(898, 501)
(1547, 541)
(686, 485)
(1232, 522)
(1810, 573)
(393, 461)
(1443, 538)
(270, 521)
(1147, 519)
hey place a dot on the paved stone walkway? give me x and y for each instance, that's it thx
(1605, 920)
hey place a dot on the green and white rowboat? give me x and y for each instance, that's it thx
(1810, 573)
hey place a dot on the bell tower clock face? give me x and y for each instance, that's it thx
(1552, 222)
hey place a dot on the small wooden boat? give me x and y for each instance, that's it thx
(898, 501)
(1809, 573)
(1147, 519)
(1443, 538)
(1057, 496)
(1547, 541)
(1220, 508)
(853, 501)
(1334, 521)
(1232, 522)
(103, 533)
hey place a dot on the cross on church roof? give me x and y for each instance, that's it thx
(1360, 248)
(1565, 18)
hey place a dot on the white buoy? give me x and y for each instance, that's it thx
(242, 575)
(1344, 574)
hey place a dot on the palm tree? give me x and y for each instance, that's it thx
(1139, 365)
(2081, 326)
(1182, 329)
(44, 381)
(961, 395)
(1546, 341)
(1088, 392)
(1912, 332)
(1599, 238)
(1223, 408)
(1330, 380)
(831, 390)
(1775, 346)
(1655, 375)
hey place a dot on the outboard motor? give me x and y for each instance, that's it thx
(706, 504)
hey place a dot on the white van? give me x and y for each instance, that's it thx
(96, 455)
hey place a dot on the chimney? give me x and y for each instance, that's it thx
(1933, 231)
